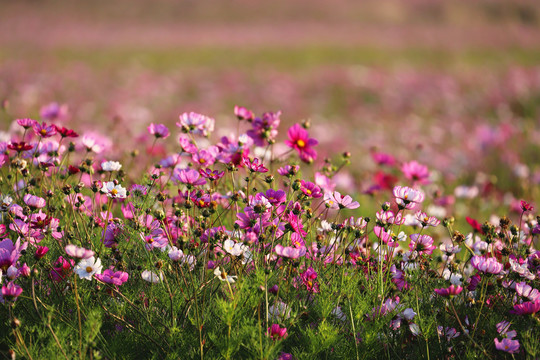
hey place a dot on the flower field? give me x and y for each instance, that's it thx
(290, 200)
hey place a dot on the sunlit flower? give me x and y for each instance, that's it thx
(86, 268)
(489, 265)
(223, 276)
(110, 276)
(300, 141)
(276, 332)
(450, 291)
(78, 252)
(111, 166)
(112, 190)
(407, 197)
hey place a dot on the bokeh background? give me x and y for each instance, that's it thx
(452, 84)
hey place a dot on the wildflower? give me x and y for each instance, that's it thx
(53, 111)
(310, 189)
(78, 252)
(5, 202)
(111, 166)
(223, 276)
(95, 142)
(137, 190)
(275, 197)
(158, 130)
(290, 252)
(233, 248)
(525, 290)
(448, 332)
(64, 132)
(175, 254)
(11, 291)
(489, 265)
(525, 206)
(426, 220)
(335, 200)
(189, 177)
(423, 244)
(382, 158)
(288, 170)
(300, 141)
(308, 279)
(110, 276)
(86, 268)
(407, 198)
(276, 332)
(508, 345)
(212, 175)
(450, 291)
(265, 128)
(152, 277)
(10, 253)
(253, 164)
(526, 308)
(43, 130)
(196, 123)
(26, 123)
(35, 202)
(242, 113)
(416, 172)
(20, 146)
(61, 269)
(114, 191)
(41, 251)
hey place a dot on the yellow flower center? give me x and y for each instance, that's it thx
(89, 269)
(308, 192)
(114, 191)
(202, 161)
(301, 143)
(43, 132)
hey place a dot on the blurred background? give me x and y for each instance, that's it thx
(453, 84)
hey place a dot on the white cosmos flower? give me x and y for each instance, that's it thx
(111, 166)
(233, 248)
(114, 191)
(152, 277)
(87, 268)
(223, 276)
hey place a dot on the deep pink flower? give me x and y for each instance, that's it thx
(416, 172)
(383, 158)
(41, 251)
(276, 332)
(26, 123)
(19, 146)
(310, 189)
(11, 291)
(288, 170)
(211, 174)
(507, 345)
(10, 253)
(309, 280)
(275, 197)
(205, 157)
(110, 276)
(526, 308)
(385, 236)
(300, 141)
(450, 291)
(43, 130)
(189, 177)
(158, 130)
(265, 128)
(64, 132)
(525, 206)
(61, 269)
(253, 164)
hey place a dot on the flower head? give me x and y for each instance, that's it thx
(110, 276)
(86, 268)
(78, 252)
(300, 141)
(11, 291)
(115, 191)
(158, 130)
(223, 276)
(111, 166)
(196, 123)
(407, 197)
(508, 345)
(276, 332)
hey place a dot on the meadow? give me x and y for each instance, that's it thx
(243, 181)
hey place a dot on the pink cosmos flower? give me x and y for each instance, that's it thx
(41, 251)
(53, 111)
(61, 269)
(110, 276)
(210, 174)
(526, 308)
(426, 220)
(276, 332)
(525, 290)
(288, 170)
(35, 202)
(196, 123)
(300, 141)
(416, 172)
(189, 177)
(242, 113)
(383, 158)
(10, 253)
(253, 164)
(78, 252)
(265, 128)
(335, 200)
(159, 130)
(26, 123)
(406, 197)
(489, 265)
(508, 345)
(290, 252)
(64, 132)
(43, 130)
(423, 244)
(310, 189)
(11, 291)
(385, 236)
(450, 291)
(309, 280)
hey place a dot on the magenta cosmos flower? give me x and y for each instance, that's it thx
(34, 202)
(43, 130)
(11, 291)
(489, 265)
(300, 141)
(158, 130)
(10, 253)
(423, 244)
(508, 345)
(416, 172)
(196, 123)
(526, 308)
(242, 113)
(110, 276)
(276, 332)
(189, 177)
(450, 291)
